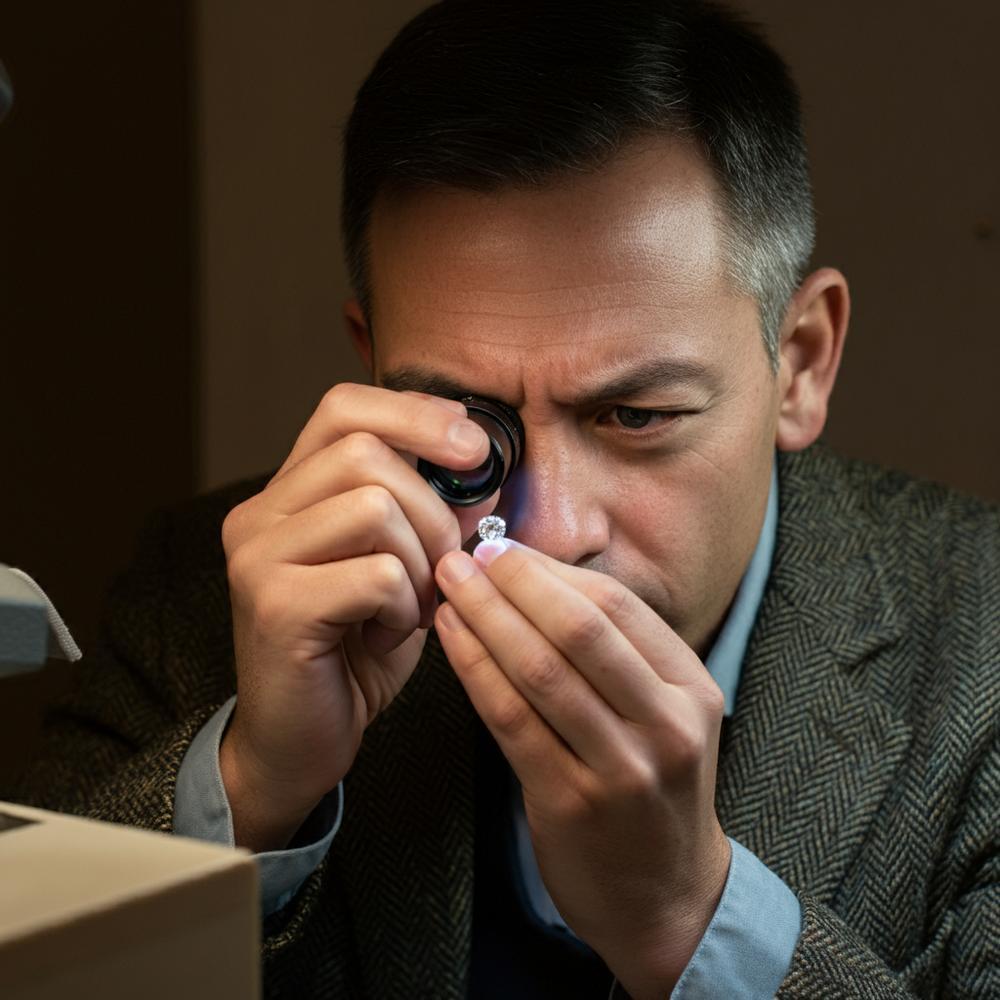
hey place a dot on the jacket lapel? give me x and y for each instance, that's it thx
(405, 849)
(811, 751)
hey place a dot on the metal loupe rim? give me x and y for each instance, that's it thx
(507, 418)
(505, 415)
(435, 475)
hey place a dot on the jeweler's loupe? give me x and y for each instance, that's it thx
(465, 487)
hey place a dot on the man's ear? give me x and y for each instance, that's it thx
(812, 342)
(357, 330)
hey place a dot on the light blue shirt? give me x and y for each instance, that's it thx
(748, 946)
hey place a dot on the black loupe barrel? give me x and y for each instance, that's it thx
(465, 487)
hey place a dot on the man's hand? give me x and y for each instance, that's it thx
(611, 723)
(331, 582)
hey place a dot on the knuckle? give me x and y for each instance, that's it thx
(609, 595)
(391, 576)
(232, 528)
(584, 627)
(363, 449)
(638, 780)
(688, 745)
(239, 564)
(543, 672)
(713, 699)
(379, 503)
(661, 718)
(511, 716)
(337, 396)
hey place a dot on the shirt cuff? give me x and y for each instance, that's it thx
(201, 810)
(747, 949)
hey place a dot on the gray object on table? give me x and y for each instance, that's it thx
(31, 630)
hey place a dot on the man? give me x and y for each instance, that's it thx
(720, 721)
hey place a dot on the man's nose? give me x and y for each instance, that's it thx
(553, 503)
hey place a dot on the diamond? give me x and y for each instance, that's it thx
(491, 528)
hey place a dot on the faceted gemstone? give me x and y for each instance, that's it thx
(491, 528)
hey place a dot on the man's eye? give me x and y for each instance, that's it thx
(633, 418)
(635, 423)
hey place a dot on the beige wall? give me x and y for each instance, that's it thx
(901, 116)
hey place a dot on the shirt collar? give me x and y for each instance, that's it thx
(725, 659)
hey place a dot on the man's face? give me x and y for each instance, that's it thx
(543, 299)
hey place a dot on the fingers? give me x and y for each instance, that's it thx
(330, 578)
(423, 425)
(346, 491)
(658, 644)
(355, 457)
(334, 596)
(453, 405)
(358, 460)
(559, 691)
(361, 521)
(538, 755)
(588, 638)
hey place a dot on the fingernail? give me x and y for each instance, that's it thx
(456, 567)
(452, 404)
(466, 437)
(486, 552)
(448, 617)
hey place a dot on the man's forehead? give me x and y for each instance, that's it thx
(462, 297)
(645, 221)
(563, 289)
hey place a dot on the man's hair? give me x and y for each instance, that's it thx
(488, 94)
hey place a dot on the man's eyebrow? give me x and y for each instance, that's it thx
(416, 379)
(657, 373)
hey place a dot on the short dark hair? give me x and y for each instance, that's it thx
(486, 94)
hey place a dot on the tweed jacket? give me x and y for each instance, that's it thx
(861, 764)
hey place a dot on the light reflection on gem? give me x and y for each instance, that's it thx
(491, 528)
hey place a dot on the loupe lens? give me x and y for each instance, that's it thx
(470, 480)
(464, 487)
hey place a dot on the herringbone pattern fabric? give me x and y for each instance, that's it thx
(862, 764)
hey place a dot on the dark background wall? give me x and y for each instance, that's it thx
(170, 273)
(97, 368)
(902, 103)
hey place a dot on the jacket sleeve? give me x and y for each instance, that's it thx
(201, 811)
(960, 953)
(163, 665)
